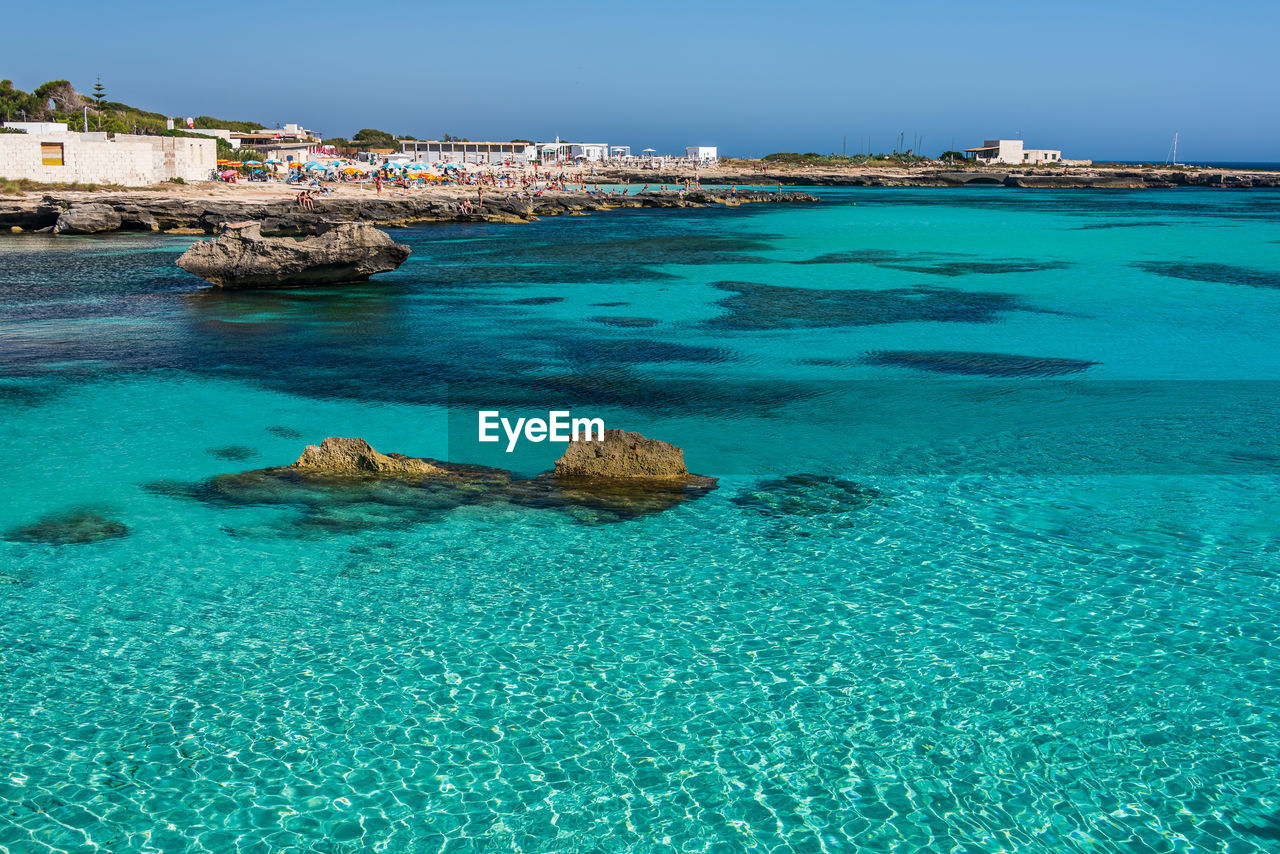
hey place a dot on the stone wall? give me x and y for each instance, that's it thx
(99, 158)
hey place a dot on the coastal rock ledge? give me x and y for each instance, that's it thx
(339, 252)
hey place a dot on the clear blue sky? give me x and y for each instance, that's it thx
(1098, 79)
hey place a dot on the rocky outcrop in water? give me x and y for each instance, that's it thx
(622, 455)
(344, 485)
(241, 257)
(337, 455)
(88, 219)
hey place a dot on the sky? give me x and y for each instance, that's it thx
(1103, 80)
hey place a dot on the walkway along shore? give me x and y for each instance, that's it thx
(190, 213)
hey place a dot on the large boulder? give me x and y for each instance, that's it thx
(87, 219)
(240, 257)
(337, 455)
(622, 455)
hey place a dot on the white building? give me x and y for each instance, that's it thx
(701, 154)
(52, 154)
(1010, 151)
(437, 151)
(589, 151)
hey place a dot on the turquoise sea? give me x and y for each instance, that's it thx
(993, 564)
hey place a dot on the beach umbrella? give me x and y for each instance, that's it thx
(271, 161)
(253, 163)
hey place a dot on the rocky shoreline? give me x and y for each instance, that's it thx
(93, 213)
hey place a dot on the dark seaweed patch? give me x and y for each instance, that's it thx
(1226, 274)
(934, 263)
(827, 362)
(861, 256)
(608, 304)
(535, 301)
(233, 452)
(976, 364)
(1100, 225)
(284, 432)
(16, 394)
(72, 528)
(626, 322)
(808, 495)
(635, 351)
(968, 268)
(757, 307)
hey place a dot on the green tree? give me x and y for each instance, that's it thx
(99, 92)
(373, 138)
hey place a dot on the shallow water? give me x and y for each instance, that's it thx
(1028, 602)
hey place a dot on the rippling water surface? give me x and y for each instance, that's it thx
(992, 565)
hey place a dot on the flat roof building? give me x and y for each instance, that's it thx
(701, 153)
(1011, 152)
(453, 151)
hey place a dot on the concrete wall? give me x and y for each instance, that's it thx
(39, 127)
(1010, 150)
(100, 158)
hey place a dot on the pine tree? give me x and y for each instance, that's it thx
(99, 95)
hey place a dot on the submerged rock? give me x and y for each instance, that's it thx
(809, 495)
(241, 257)
(78, 526)
(87, 219)
(977, 364)
(233, 452)
(336, 455)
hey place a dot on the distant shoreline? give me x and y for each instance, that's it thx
(200, 208)
(1120, 177)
